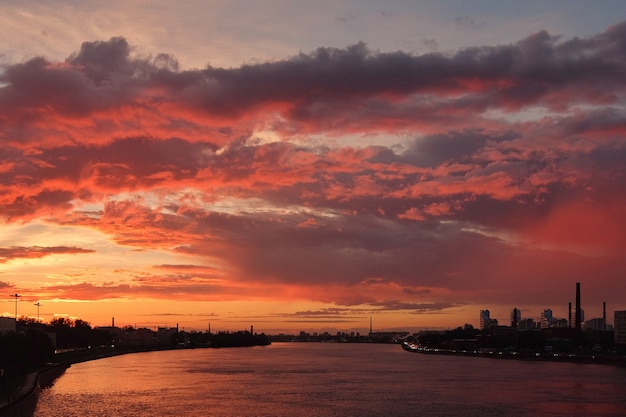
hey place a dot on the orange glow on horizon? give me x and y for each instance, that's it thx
(317, 190)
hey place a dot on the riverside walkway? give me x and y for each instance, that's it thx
(22, 400)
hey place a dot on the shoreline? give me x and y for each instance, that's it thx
(23, 400)
(619, 361)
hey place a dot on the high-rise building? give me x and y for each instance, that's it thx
(619, 326)
(526, 324)
(485, 319)
(516, 317)
(486, 322)
(546, 318)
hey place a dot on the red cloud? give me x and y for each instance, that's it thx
(34, 252)
(172, 161)
(584, 225)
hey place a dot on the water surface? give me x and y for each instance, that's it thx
(328, 379)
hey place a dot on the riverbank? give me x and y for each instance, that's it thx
(23, 397)
(22, 400)
(525, 356)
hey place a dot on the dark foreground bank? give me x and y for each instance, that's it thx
(23, 399)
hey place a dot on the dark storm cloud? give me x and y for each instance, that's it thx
(432, 151)
(464, 200)
(103, 61)
(104, 73)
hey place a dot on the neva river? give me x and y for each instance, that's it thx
(327, 379)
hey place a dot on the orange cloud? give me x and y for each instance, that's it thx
(298, 177)
(35, 252)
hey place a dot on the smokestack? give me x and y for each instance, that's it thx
(570, 315)
(578, 315)
(604, 315)
(251, 329)
(112, 321)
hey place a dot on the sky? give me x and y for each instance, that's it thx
(308, 166)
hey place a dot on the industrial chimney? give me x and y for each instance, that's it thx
(569, 318)
(604, 315)
(578, 312)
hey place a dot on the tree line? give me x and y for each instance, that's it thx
(34, 343)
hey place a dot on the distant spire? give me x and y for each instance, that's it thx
(370, 324)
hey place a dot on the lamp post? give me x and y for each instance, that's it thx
(38, 305)
(16, 296)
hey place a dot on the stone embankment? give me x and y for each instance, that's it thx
(23, 400)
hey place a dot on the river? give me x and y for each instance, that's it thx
(329, 379)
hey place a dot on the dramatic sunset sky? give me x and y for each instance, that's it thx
(308, 165)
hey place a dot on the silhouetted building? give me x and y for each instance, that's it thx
(117, 334)
(619, 326)
(559, 323)
(485, 319)
(486, 322)
(163, 335)
(546, 318)
(596, 324)
(580, 317)
(504, 331)
(516, 317)
(7, 324)
(526, 324)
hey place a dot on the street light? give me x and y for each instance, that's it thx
(38, 305)
(16, 296)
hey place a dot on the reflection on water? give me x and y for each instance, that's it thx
(314, 379)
